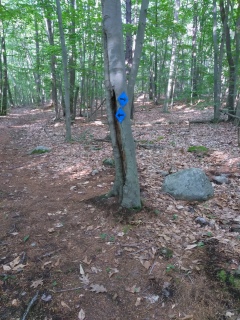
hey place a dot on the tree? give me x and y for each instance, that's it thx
(137, 52)
(126, 184)
(169, 91)
(65, 73)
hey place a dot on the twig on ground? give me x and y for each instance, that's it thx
(70, 289)
(34, 299)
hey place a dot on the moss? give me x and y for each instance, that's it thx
(198, 149)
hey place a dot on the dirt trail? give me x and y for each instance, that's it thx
(60, 240)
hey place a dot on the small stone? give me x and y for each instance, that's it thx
(202, 221)
(95, 171)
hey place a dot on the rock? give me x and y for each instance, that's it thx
(220, 179)
(95, 171)
(40, 149)
(189, 184)
(202, 221)
(109, 162)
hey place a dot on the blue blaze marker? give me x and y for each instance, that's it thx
(120, 115)
(123, 99)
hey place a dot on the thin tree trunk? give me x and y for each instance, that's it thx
(217, 76)
(137, 52)
(37, 73)
(194, 52)
(4, 96)
(72, 58)
(173, 60)
(65, 73)
(126, 184)
(53, 62)
(230, 100)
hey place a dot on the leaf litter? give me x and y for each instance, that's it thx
(170, 224)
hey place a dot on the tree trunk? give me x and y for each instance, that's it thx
(37, 73)
(65, 73)
(72, 58)
(231, 84)
(173, 59)
(126, 184)
(194, 52)
(217, 76)
(4, 86)
(137, 53)
(53, 70)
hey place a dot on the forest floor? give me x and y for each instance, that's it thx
(67, 253)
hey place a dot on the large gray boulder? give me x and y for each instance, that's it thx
(190, 184)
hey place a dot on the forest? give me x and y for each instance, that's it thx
(101, 104)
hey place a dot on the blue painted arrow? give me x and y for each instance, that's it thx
(123, 99)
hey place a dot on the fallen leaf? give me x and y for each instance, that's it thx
(191, 246)
(112, 272)
(15, 262)
(81, 315)
(87, 261)
(19, 267)
(81, 270)
(63, 304)
(229, 314)
(98, 288)
(138, 301)
(46, 298)
(46, 263)
(15, 302)
(133, 289)
(36, 283)
(96, 270)
(51, 230)
(84, 279)
(6, 268)
(146, 264)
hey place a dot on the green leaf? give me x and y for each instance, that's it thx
(26, 238)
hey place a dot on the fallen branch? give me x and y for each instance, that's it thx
(70, 289)
(31, 303)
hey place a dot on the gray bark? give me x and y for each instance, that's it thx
(65, 73)
(49, 26)
(173, 59)
(138, 51)
(126, 184)
(217, 76)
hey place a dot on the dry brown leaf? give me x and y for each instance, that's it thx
(133, 289)
(63, 304)
(138, 301)
(85, 260)
(6, 268)
(84, 279)
(19, 267)
(36, 283)
(146, 264)
(81, 270)
(191, 246)
(46, 263)
(112, 272)
(15, 262)
(81, 315)
(98, 288)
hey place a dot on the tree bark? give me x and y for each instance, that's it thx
(231, 64)
(53, 69)
(137, 52)
(217, 76)
(126, 184)
(173, 60)
(65, 73)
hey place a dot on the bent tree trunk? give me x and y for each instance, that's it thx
(126, 184)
